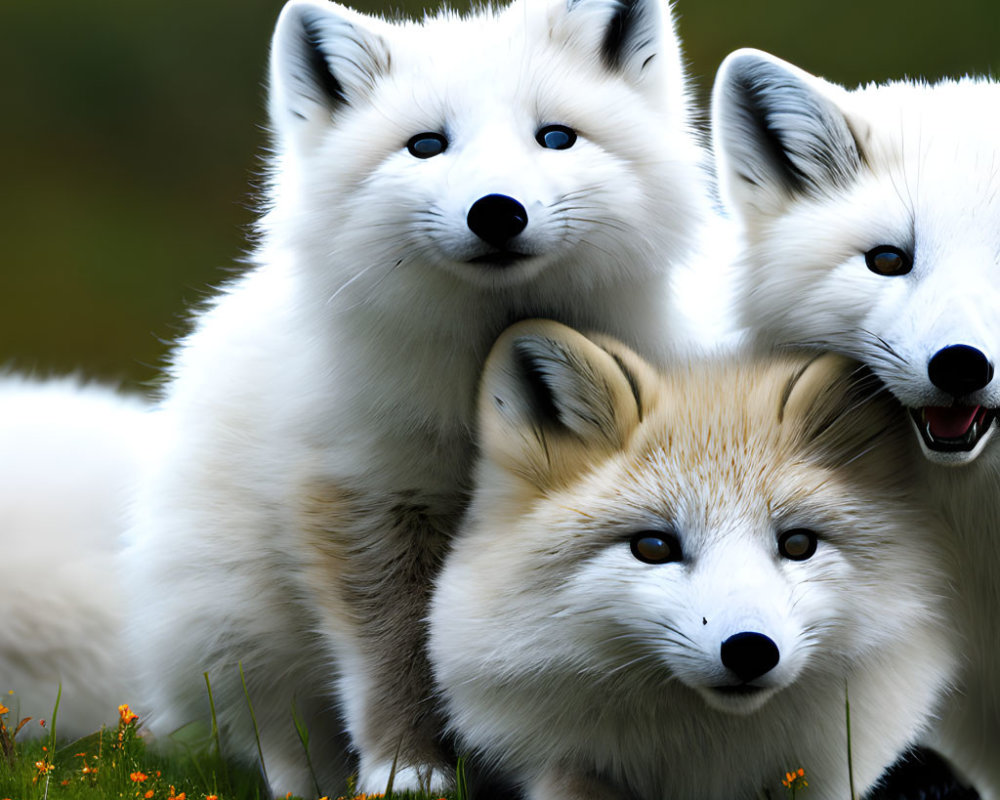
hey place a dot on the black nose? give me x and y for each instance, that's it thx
(959, 370)
(749, 655)
(496, 219)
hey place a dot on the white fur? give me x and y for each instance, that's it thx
(926, 176)
(589, 674)
(324, 400)
(69, 456)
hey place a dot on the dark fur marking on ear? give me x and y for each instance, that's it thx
(539, 394)
(633, 384)
(318, 66)
(752, 93)
(621, 28)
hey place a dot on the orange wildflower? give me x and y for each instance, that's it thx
(148, 794)
(138, 777)
(126, 715)
(795, 780)
(211, 797)
(3, 709)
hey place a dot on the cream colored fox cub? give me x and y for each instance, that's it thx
(668, 582)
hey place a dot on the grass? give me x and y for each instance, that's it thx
(117, 763)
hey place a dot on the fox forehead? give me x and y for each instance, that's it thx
(453, 65)
(697, 449)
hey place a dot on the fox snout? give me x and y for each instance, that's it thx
(497, 219)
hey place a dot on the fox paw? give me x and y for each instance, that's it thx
(374, 778)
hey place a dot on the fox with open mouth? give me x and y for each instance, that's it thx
(872, 228)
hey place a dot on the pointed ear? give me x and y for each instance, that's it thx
(839, 411)
(633, 38)
(552, 402)
(324, 56)
(778, 134)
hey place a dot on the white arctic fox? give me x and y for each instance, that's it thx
(69, 456)
(667, 582)
(872, 225)
(432, 182)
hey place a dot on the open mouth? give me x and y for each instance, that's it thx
(500, 258)
(952, 429)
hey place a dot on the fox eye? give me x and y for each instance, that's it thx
(797, 544)
(427, 144)
(656, 547)
(556, 137)
(888, 260)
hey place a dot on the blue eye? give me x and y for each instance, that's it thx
(427, 144)
(556, 137)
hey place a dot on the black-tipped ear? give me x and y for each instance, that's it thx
(778, 134)
(634, 38)
(552, 401)
(323, 56)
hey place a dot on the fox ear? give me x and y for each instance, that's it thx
(838, 410)
(778, 134)
(635, 38)
(552, 402)
(323, 56)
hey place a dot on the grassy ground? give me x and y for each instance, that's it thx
(116, 763)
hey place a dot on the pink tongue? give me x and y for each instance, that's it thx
(950, 423)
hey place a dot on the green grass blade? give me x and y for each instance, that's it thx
(256, 730)
(850, 760)
(461, 782)
(303, 732)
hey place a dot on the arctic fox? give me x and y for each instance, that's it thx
(69, 455)
(432, 182)
(668, 583)
(872, 225)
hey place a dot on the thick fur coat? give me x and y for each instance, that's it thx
(69, 457)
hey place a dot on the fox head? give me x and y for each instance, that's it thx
(872, 222)
(491, 147)
(724, 531)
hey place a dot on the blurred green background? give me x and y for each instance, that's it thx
(132, 130)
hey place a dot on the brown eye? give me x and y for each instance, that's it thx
(888, 260)
(656, 547)
(798, 544)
